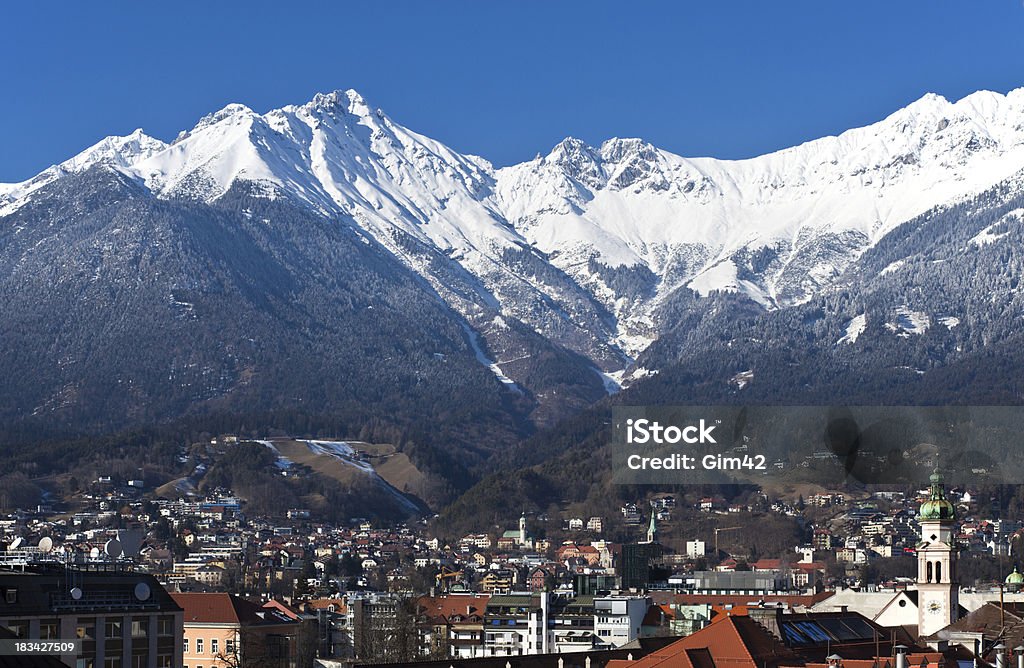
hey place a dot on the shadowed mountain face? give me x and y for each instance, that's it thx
(123, 309)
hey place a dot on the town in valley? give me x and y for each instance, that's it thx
(186, 575)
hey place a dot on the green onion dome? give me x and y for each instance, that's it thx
(937, 507)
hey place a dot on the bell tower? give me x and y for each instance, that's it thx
(938, 589)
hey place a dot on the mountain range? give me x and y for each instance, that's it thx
(325, 260)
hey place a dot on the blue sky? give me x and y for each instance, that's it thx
(503, 80)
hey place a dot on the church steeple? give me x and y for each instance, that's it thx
(652, 530)
(937, 584)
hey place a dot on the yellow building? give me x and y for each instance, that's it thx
(225, 631)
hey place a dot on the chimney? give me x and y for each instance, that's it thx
(844, 609)
(901, 656)
(1018, 652)
(1000, 651)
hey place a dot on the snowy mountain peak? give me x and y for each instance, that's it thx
(116, 151)
(119, 152)
(579, 161)
(617, 149)
(232, 111)
(927, 101)
(349, 101)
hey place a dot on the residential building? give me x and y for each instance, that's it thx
(617, 619)
(223, 631)
(122, 618)
(514, 624)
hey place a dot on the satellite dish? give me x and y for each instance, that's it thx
(45, 544)
(142, 591)
(112, 548)
(94, 553)
(76, 594)
(131, 541)
(16, 543)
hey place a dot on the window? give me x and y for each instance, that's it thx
(86, 628)
(112, 628)
(49, 629)
(184, 648)
(112, 662)
(140, 627)
(199, 647)
(18, 627)
(229, 646)
(11, 595)
(165, 626)
(140, 660)
(213, 646)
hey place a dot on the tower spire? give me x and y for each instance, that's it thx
(652, 530)
(938, 585)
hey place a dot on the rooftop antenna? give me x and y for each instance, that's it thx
(70, 575)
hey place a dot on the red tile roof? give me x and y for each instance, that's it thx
(213, 608)
(324, 603)
(225, 609)
(733, 641)
(281, 608)
(450, 606)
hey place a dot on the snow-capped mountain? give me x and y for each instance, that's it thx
(777, 227)
(424, 202)
(585, 244)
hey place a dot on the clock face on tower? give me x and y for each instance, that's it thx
(935, 607)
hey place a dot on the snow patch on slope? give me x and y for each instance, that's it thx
(612, 381)
(909, 322)
(474, 342)
(724, 277)
(282, 462)
(990, 235)
(742, 379)
(340, 450)
(345, 453)
(854, 328)
(892, 267)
